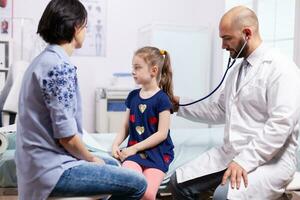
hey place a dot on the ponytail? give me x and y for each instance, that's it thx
(166, 80)
(154, 56)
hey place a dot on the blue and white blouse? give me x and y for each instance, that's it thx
(49, 109)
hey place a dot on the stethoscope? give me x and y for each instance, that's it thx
(229, 65)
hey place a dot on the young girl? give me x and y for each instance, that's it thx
(150, 148)
(50, 157)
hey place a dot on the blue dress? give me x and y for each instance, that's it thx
(143, 122)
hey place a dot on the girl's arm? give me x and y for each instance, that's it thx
(153, 140)
(121, 136)
(75, 147)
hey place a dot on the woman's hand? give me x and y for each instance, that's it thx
(116, 152)
(126, 152)
(98, 160)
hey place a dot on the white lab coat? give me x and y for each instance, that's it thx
(261, 126)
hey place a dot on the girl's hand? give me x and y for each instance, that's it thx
(126, 152)
(116, 152)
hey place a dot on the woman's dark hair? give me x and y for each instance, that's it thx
(58, 22)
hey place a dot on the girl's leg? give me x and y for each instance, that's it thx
(132, 165)
(154, 178)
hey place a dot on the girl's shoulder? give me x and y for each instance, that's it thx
(163, 102)
(133, 93)
(163, 95)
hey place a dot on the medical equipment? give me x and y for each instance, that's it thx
(229, 65)
(110, 108)
(7, 141)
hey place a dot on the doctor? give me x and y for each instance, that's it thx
(260, 106)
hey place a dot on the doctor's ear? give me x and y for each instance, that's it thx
(248, 33)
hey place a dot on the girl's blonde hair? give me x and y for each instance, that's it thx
(160, 58)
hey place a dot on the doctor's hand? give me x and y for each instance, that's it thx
(126, 152)
(236, 173)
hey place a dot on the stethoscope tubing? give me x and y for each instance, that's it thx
(229, 65)
(223, 78)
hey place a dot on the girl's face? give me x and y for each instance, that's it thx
(141, 72)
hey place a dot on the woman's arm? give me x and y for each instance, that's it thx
(75, 147)
(153, 140)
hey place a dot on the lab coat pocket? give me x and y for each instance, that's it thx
(255, 90)
(252, 97)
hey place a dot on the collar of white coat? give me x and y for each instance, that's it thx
(259, 55)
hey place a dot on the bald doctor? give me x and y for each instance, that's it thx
(260, 106)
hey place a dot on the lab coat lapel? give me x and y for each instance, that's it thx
(256, 64)
(234, 81)
(250, 75)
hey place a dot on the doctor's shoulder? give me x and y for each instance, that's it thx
(282, 63)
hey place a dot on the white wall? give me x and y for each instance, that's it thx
(124, 18)
(297, 35)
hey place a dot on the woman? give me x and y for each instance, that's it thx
(50, 156)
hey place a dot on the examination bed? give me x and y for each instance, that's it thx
(188, 143)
